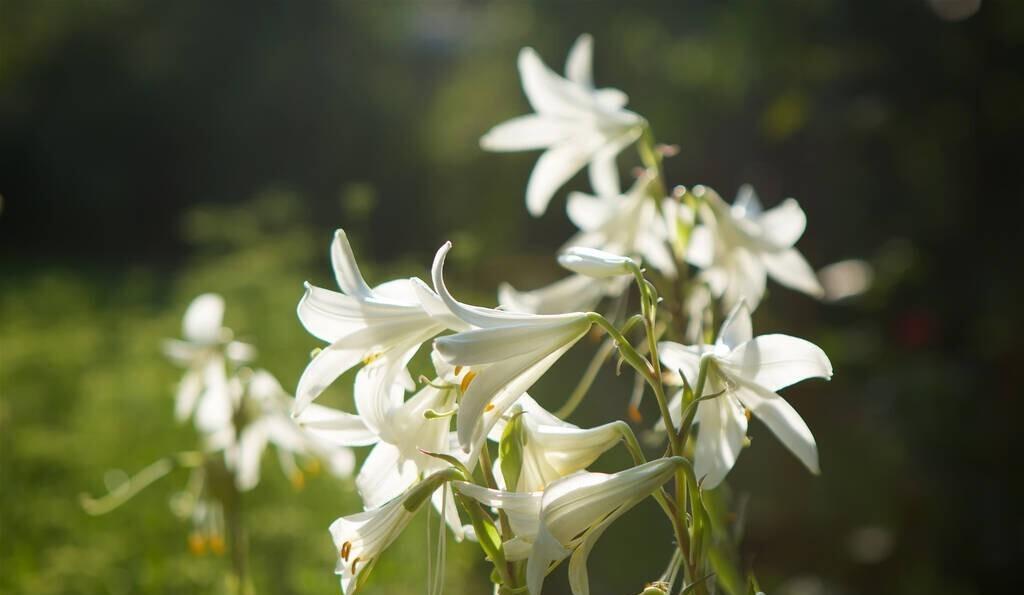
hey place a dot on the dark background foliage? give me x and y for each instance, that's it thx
(153, 150)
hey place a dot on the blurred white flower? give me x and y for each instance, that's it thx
(204, 352)
(575, 123)
(628, 224)
(507, 352)
(846, 278)
(738, 247)
(265, 420)
(747, 371)
(381, 328)
(575, 293)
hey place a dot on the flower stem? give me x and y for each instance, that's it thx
(685, 484)
(238, 538)
(587, 380)
(487, 466)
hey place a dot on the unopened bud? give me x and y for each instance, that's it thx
(596, 263)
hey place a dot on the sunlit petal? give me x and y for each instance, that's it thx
(777, 361)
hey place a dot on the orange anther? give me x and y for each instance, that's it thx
(468, 378)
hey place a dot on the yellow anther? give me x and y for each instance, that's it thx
(489, 408)
(196, 543)
(313, 466)
(458, 370)
(298, 480)
(217, 544)
(746, 413)
(371, 357)
(346, 549)
(354, 562)
(468, 378)
(634, 414)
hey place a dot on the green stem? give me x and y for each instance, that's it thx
(686, 485)
(590, 374)
(484, 527)
(652, 160)
(689, 411)
(487, 466)
(587, 380)
(127, 490)
(629, 354)
(238, 540)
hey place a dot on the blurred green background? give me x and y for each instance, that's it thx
(151, 151)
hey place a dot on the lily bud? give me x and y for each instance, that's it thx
(596, 263)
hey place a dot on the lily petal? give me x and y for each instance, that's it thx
(336, 427)
(789, 268)
(746, 279)
(500, 384)
(548, 93)
(604, 172)
(783, 225)
(737, 328)
(384, 475)
(380, 385)
(346, 271)
(777, 361)
(482, 317)
(575, 293)
(701, 250)
(250, 452)
(323, 370)
(746, 205)
(486, 345)
(782, 420)
(203, 319)
(579, 64)
(522, 508)
(524, 133)
(719, 440)
(554, 168)
(684, 359)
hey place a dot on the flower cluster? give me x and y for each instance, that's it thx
(237, 413)
(472, 440)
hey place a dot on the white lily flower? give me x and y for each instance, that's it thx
(569, 516)
(205, 350)
(598, 264)
(553, 449)
(575, 123)
(740, 246)
(381, 328)
(361, 538)
(507, 352)
(575, 512)
(747, 371)
(267, 421)
(397, 459)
